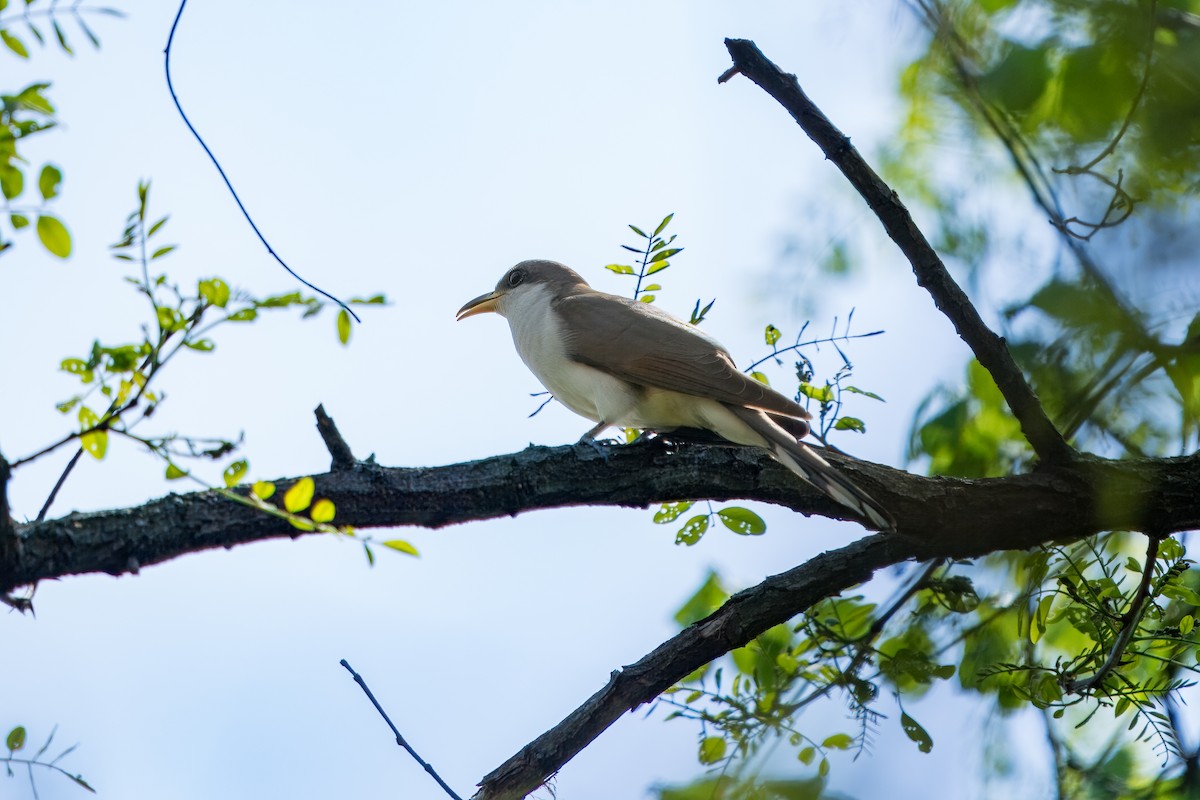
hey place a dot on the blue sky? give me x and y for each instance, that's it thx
(420, 150)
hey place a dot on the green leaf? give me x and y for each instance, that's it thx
(856, 390)
(663, 255)
(807, 755)
(297, 498)
(620, 269)
(16, 738)
(62, 39)
(915, 732)
(1186, 624)
(343, 326)
(850, 424)
(323, 510)
(95, 443)
(712, 750)
(13, 43)
(18, 221)
(49, 180)
(203, 345)
(760, 377)
(244, 315)
(708, 598)
(838, 741)
(234, 472)
(162, 251)
(662, 225)
(369, 553)
(174, 473)
(658, 267)
(823, 767)
(638, 231)
(263, 489)
(742, 521)
(54, 235)
(646, 298)
(822, 394)
(401, 546)
(669, 512)
(653, 287)
(772, 335)
(12, 181)
(692, 530)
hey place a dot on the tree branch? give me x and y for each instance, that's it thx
(931, 273)
(956, 517)
(340, 452)
(745, 615)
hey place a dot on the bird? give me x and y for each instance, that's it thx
(620, 362)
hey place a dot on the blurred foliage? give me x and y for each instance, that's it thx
(1082, 118)
(36, 763)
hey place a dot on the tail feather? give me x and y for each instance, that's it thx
(811, 468)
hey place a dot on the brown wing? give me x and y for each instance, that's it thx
(643, 345)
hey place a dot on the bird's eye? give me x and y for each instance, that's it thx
(516, 277)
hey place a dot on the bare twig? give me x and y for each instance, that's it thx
(224, 177)
(343, 458)
(399, 739)
(58, 484)
(931, 273)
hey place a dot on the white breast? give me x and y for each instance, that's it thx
(536, 333)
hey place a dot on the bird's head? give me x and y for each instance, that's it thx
(528, 276)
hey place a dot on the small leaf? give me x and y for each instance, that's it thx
(245, 315)
(620, 269)
(823, 767)
(658, 267)
(850, 424)
(646, 298)
(772, 335)
(62, 39)
(49, 180)
(638, 231)
(662, 225)
(54, 235)
(863, 392)
(671, 512)
(742, 521)
(712, 750)
(234, 472)
(297, 498)
(1187, 624)
(915, 732)
(401, 546)
(162, 251)
(18, 221)
(370, 554)
(760, 377)
(174, 473)
(838, 741)
(692, 530)
(663, 255)
(323, 510)
(155, 228)
(16, 738)
(343, 326)
(13, 43)
(263, 489)
(654, 287)
(807, 755)
(202, 345)
(95, 443)
(12, 181)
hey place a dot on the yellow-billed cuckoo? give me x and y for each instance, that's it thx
(620, 362)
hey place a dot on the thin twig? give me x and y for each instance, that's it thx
(1129, 621)
(342, 456)
(399, 739)
(224, 177)
(61, 480)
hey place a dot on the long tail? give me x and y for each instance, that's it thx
(810, 467)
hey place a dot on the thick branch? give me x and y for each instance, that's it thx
(960, 518)
(746, 615)
(931, 273)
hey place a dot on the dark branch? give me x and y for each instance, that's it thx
(400, 740)
(959, 518)
(931, 273)
(746, 615)
(334, 443)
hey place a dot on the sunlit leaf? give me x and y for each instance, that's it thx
(742, 521)
(13, 43)
(343, 326)
(235, 472)
(263, 489)
(772, 335)
(323, 510)
(299, 495)
(692, 530)
(54, 235)
(16, 738)
(712, 750)
(620, 269)
(669, 512)
(401, 546)
(49, 180)
(662, 225)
